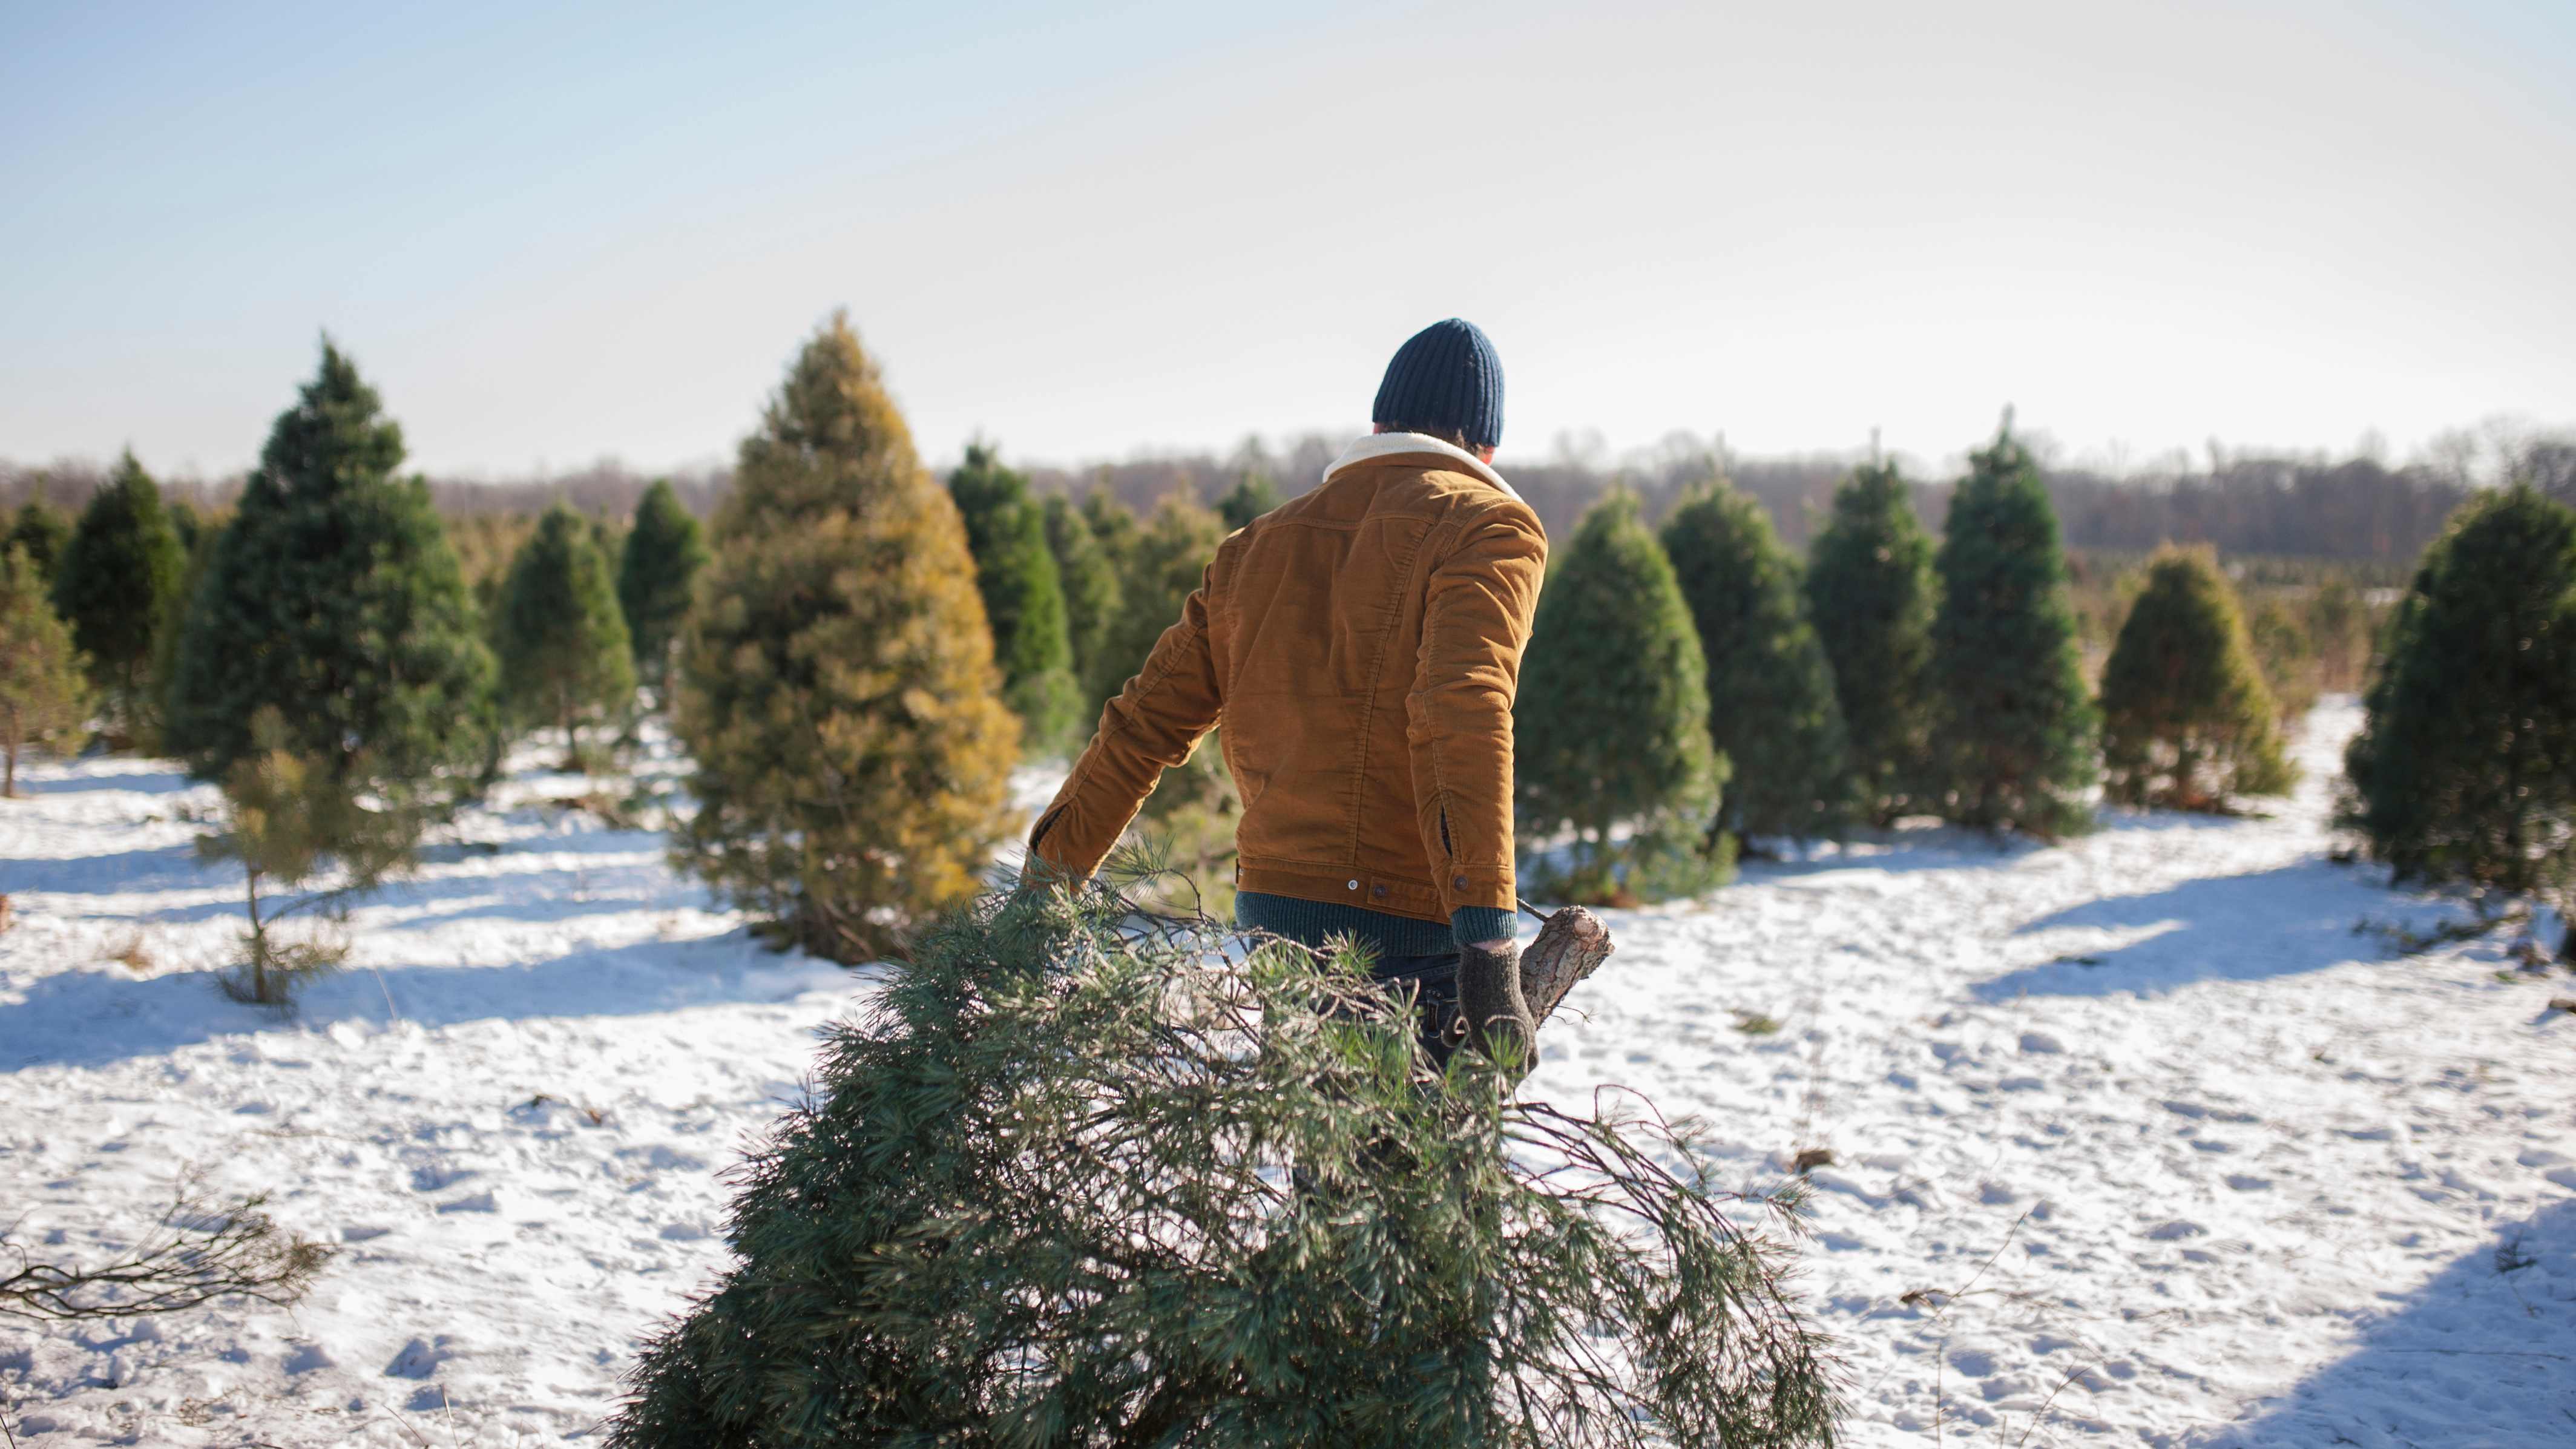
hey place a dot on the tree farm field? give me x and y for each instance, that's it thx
(2151, 1137)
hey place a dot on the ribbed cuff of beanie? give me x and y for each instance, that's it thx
(1470, 924)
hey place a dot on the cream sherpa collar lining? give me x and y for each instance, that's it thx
(1388, 445)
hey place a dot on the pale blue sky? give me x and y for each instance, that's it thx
(602, 231)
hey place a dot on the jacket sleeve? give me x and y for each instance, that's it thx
(1475, 623)
(1150, 727)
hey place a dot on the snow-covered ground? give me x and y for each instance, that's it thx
(2135, 1140)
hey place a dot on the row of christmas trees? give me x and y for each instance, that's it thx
(1889, 677)
(570, 634)
(861, 654)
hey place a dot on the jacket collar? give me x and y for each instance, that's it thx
(1390, 445)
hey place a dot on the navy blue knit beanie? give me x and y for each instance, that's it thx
(1445, 378)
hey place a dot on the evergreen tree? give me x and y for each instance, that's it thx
(2016, 731)
(1194, 807)
(185, 522)
(2338, 623)
(1870, 593)
(1162, 564)
(836, 686)
(287, 816)
(41, 532)
(1023, 596)
(2288, 658)
(43, 701)
(1253, 495)
(1113, 524)
(333, 598)
(2187, 722)
(1035, 1196)
(663, 553)
(2465, 767)
(1610, 727)
(114, 583)
(1091, 593)
(167, 635)
(562, 640)
(1772, 712)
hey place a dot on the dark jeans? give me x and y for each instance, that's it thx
(1434, 979)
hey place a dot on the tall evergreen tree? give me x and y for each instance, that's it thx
(113, 585)
(43, 700)
(836, 688)
(1610, 727)
(561, 637)
(41, 532)
(2465, 767)
(1870, 593)
(333, 598)
(2016, 730)
(1772, 712)
(1091, 592)
(2187, 722)
(663, 553)
(1023, 595)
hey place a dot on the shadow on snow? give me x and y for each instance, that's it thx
(2271, 923)
(93, 1018)
(2479, 1355)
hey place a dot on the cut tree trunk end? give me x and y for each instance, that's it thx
(1571, 945)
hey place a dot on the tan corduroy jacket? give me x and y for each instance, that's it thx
(1361, 646)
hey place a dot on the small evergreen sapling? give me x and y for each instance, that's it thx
(562, 639)
(114, 585)
(1772, 712)
(291, 818)
(44, 701)
(1610, 726)
(836, 681)
(2016, 724)
(1090, 584)
(2187, 722)
(1015, 571)
(655, 570)
(1084, 1176)
(2465, 767)
(1870, 592)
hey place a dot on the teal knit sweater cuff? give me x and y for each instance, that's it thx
(1483, 923)
(1391, 937)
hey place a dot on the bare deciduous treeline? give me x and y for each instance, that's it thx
(2247, 504)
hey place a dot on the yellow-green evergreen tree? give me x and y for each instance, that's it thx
(836, 683)
(42, 698)
(2187, 723)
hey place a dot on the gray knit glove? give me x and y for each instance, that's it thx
(1489, 998)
